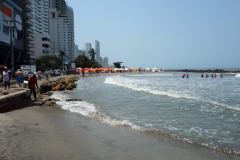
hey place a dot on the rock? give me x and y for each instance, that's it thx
(59, 87)
(73, 99)
(65, 93)
(45, 87)
(5, 92)
(49, 103)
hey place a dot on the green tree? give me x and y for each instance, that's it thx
(84, 62)
(53, 62)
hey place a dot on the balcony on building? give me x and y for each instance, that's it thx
(30, 38)
(30, 45)
(30, 52)
(30, 30)
(29, 15)
(29, 22)
(29, 8)
(29, 2)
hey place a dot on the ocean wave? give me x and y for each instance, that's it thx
(129, 85)
(90, 110)
(238, 75)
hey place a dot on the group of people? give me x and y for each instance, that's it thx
(215, 75)
(184, 75)
(32, 80)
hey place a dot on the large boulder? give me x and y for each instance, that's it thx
(45, 87)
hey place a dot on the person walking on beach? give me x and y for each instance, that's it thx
(39, 75)
(6, 78)
(83, 72)
(46, 74)
(32, 81)
(19, 76)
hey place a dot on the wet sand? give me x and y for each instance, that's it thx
(53, 133)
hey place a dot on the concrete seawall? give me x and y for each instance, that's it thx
(18, 98)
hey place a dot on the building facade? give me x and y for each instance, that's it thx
(87, 48)
(97, 50)
(60, 5)
(41, 35)
(12, 27)
(61, 33)
(105, 62)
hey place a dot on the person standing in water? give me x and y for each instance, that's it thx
(221, 75)
(215, 75)
(187, 75)
(206, 76)
(83, 72)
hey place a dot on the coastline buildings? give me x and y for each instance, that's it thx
(61, 29)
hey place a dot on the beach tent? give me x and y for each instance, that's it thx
(154, 69)
(147, 69)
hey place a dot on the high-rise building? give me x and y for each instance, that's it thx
(60, 5)
(61, 30)
(105, 62)
(101, 61)
(41, 29)
(87, 48)
(71, 25)
(76, 54)
(29, 28)
(97, 50)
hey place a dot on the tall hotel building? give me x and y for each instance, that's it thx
(41, 29)
(97, 49)
(61, 28)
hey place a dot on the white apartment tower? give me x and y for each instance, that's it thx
(41, 28)
(87, 48)
(105, 62)
(61, 28)
(97, 49)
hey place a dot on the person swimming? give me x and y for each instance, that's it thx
(202, 75)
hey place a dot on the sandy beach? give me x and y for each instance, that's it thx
(53, 133)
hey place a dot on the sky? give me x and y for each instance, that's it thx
(167, 34)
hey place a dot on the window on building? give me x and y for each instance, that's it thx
(53, 15)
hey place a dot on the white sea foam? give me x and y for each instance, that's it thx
(133, 86)
(90, 110)
(238, 75)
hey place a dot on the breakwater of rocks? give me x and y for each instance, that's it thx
(204, 71)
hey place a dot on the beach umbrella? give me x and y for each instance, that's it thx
(2, 66)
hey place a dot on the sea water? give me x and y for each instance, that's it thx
(198, 111)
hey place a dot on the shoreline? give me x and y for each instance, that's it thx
(54, 133)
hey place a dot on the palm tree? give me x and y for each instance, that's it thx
(92, 54)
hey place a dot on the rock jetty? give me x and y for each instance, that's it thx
(45, 90)
(59, 85)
